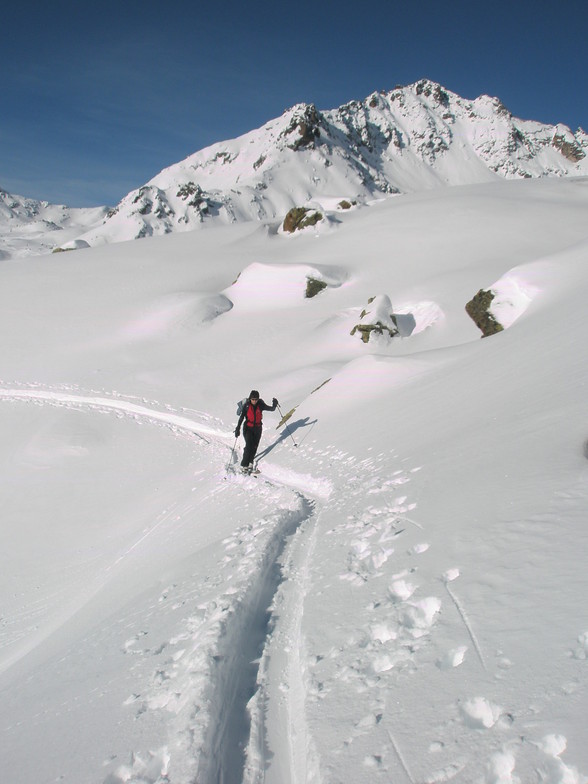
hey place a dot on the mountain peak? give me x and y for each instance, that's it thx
(411, 138)
(304, 126)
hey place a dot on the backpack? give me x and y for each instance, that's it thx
(241, 405)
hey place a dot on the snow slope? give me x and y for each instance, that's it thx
(31, 228)
(400, 596)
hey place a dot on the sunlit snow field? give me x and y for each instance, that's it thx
(400, 596)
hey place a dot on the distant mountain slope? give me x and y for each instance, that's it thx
(409, 139)
(30, 228)
(412, 138)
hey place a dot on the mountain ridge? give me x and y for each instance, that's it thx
(32, 227)
(404, 140)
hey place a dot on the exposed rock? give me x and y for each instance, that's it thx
(320, 386)
(430, 89)
(346, 205)
(307, 123)
(300, 218)
(196, 195)
(478, 309)
(72, 245)
(379, 319)
(314, 287)
(286, 417)
(569, 149)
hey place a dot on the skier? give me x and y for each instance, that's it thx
(252, 414)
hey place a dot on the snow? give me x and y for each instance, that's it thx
(399, 596)
(29, 227)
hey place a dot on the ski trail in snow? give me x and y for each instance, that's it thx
(282, 670)
(167, 418)
(234, 679)
(161, 521)
(306, 484)
(244, 632)
(401, 759)
(468, 626)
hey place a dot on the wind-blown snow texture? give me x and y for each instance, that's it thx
(400, 597)
(409, 139)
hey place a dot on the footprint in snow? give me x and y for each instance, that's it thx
(500, 768)
(419, 549)
(383, 632)
(479, 713)
(453, 658)
(581, 652)
(400, 590)
(128, 646)
(418, 617)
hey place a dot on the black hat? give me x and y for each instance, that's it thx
(254, 393)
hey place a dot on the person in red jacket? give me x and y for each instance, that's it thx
(251, 417)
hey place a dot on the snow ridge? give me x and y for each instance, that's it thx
(31, 227)
(408, 139)
(412, 138)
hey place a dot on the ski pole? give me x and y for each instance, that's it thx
(230, 463)
(287, 426)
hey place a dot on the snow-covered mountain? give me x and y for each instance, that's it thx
(409, 139)
(29, 227)
(406, 140)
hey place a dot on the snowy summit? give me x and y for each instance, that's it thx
(409, 139)
(406, 140)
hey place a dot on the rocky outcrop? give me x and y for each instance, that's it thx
(301, 218)
(307, 123)
(569, 148)
(314, 287)
(378, 320)
(478, 309)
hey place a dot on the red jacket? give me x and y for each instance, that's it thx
(253, 414)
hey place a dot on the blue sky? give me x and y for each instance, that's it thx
(95, 99)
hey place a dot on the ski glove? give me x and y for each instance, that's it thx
(275, 402)
(236, 432)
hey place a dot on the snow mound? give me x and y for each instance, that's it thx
(513, 293)
(377, 319)
(72, 245)
(480, 713)
(262, 287)
(181, 311)
(411, 319)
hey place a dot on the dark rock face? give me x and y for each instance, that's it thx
(300, 218)
(366, 330)
(478, 310)
(307, 123)
(570, 150)
(314, 287)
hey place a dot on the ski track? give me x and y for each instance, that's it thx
(248, 681)
(231, 630)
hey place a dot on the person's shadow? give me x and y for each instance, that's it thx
(288, 432)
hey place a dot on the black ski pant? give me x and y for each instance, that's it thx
(252, 436)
